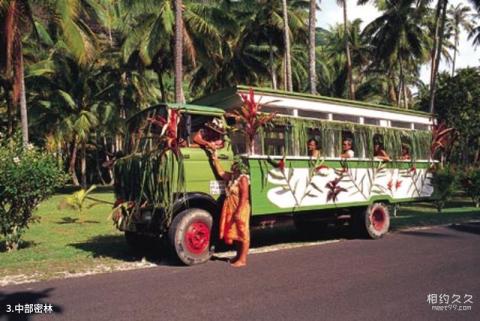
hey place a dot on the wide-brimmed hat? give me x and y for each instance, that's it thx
(216, 125)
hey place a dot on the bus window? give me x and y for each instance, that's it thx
(347, 145)
(238, 141)
(314, 137)
(276, 141)
(379, 148)
(189, 125)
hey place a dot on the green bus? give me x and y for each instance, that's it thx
(174, 193)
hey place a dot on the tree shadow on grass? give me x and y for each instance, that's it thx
(74, 220)
(23, 245)
(115, 247)
(24, 299)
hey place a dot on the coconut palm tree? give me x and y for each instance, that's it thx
(179, 98)
(253, 46)
(17, 21)
(475, 33)
(150, 32)
(399, 39)
(312, 27)
(288, 58)
(351, 86)
(459, 17)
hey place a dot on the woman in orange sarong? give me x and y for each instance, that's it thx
(235, 217)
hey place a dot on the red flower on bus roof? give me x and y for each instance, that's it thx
(250, 116)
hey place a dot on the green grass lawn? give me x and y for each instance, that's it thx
(64, 242)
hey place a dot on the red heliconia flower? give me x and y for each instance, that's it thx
(398, 184)
(442, 136)
(172, 123)
(157, 121)
(249, 115)
(281, 164)
(118, 202)
(170, 131)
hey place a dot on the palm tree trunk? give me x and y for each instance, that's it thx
(107, 158)
(83, 164)
(10, 110)
(273, 71)
(23, 101)
(455, 52)
(286, 37)
(162, 85)
(435, 39)
(438, 49)
(351, 86)
(401, 84)
(178, 52)
(392, 93)
(73, 161)
(312, 21)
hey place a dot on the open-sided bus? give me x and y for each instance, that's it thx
(182, 199)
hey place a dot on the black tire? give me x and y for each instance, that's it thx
(373, 221)
(190, 236)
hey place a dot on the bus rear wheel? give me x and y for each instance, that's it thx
(190, 236)
(373, 221)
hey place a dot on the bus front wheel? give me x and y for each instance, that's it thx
(190, 236)
(373, 221)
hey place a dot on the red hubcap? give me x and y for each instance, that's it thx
(378, 219)
(197, 237)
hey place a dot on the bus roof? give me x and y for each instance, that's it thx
(193, 109)
(198, 109)
(302, 105)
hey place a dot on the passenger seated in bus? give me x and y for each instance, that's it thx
(405, 152)
(379, 152)
(211, 136)
(347, 148)
(312, 146)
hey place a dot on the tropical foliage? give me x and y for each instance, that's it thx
(27, 177)
(73, 72)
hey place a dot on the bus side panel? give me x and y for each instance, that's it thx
(304, 185)
(199, 174)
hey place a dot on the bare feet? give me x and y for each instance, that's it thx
(239, 263)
